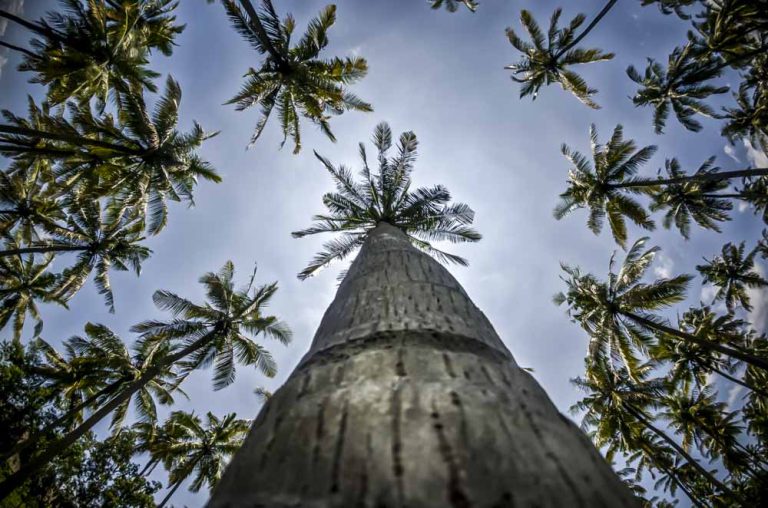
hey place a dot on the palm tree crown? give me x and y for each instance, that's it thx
(217, 331)
(733, 272)
(358, 207)
(545, 60)
(293, 79)
(602, 188)
(453, 5)
(679, 88)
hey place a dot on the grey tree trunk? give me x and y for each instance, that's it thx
(408, 398)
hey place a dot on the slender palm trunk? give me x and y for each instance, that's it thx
(19, 49)
(672, 474)
(712, 346)
(41, 250)
(408, 397)
(75, 140)
(170, 493)
(262, 33)
(149, 467)
(69, 415)
(738, 381)
(29, 25)
(15, 480)
(708, 177)
(679, 449)
(589, 28)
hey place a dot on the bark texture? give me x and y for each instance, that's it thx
(408, 398)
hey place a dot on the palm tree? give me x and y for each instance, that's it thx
(407, 396)
(749, 119)
(23, 282)
(202, 450)
(453, 5)
(679, 88)
(356, 209)
(100, 243)
(672, 6)
(293, 79)
(89, 50)
(695, 200)
(141, 159)
(618, 314)
(691, 363)
(616, 405)
(603, 189)
(26, 205)
(733, 273)
(546, 61)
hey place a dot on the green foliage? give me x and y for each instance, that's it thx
(546, 58)
(91, 473)
(733, 272)
(356, 208)
(453, 5)
(294, 80)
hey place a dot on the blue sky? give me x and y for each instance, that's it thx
(441, 75)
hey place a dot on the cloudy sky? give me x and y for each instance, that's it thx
(441, 75)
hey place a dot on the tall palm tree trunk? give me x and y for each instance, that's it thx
(738, 381)
(408, 397)
(592, 24)
(170, 494)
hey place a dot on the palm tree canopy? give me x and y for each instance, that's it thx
(356, 208)
(602, 186)
(692, 200)
(546, 59)
(226, 319)
(192, 447)
(453, 5)
(733, 272)
(23, 282)
(92, 48)
(679, 88)
(294, 80)
(601, 307)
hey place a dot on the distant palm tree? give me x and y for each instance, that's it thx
(453, 5)
(672, 6)
(695, 200)
(23, 282)
(545, 61)
(356, 208)
(293, 79)
(617, 406)
(602, 188)
(680, 88)
(27, 205)
(749, 119)
(101, 243)
(733, 272)
(140, 159)
(618, 314)
(201, 449)
(92, 49)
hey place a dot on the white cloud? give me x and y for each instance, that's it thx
(733, 393)
(730, 152)
(14, 7)
(663, 266)
(755, 156)
(758, 297)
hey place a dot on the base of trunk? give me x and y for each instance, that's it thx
(415, 419)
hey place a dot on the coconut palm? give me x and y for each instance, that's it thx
(140, 158)
(680, 87)
(618, 314)
(693, 200)
(28, 205)
(546, 61)
(755, 192)
(453, 5)
(101, 243)
(91, 49)
(356, 208)
(294, 80)
(733, 272)
(726, 29)
(672, 6)
(23, 282)
(201, 449)
(617, 407)
(749, 119)
(603, 185)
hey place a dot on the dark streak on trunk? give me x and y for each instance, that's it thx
(397, 445)
(456, 494)
(339, 449)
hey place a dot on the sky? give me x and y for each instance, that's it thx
(442, 76)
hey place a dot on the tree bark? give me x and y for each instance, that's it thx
(707, 177)
(408, 397)
(592, 24)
